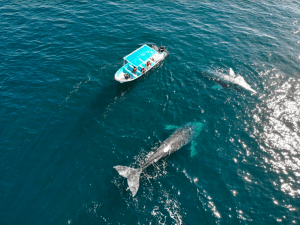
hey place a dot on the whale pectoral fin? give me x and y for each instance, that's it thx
(231, 73)
(217, 87)
(171, 127)
(193, 149)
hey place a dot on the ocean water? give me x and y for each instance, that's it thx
(65, 122)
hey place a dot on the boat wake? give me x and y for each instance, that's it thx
(76, 88)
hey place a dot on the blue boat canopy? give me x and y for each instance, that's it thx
(140, 55)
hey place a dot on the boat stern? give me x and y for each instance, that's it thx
(122, 77)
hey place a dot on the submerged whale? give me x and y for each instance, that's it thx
(230, 79)
(182, 136)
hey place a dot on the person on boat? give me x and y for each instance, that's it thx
(143, 70)
(126, 76)
(148, 64)
(134, 69)
(154, 47)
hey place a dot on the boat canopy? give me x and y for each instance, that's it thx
(140, 55)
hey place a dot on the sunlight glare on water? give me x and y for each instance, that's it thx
(278, 133)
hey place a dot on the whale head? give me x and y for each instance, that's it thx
(196, 126)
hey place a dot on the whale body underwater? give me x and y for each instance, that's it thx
(182, 136)
(231, 79)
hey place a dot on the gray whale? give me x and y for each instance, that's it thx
(178, 139)
(230, 79)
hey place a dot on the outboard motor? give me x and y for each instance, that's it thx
(162, 48)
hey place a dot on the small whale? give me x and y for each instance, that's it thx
(230, 79)
(182, 136)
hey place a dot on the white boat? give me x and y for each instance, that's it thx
(139, 62)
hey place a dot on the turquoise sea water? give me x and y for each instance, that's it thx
(65, 122)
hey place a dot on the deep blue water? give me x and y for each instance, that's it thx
(65, 122)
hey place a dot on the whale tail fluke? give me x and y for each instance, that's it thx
(132, 175)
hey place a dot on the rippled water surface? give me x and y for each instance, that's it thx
(65, 121)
